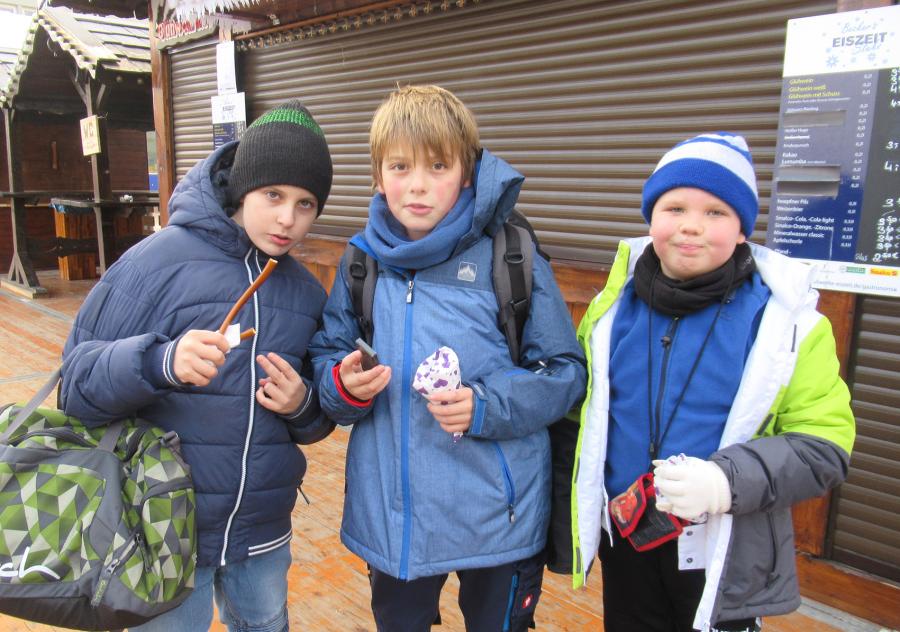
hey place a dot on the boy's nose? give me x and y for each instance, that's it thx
(417, 181)
(690, 225)
(285, 216)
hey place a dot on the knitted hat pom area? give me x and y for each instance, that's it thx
(283, 146)
(719, 163)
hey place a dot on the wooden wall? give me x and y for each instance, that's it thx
(52, 161)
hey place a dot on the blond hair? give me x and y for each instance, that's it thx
(428, 117)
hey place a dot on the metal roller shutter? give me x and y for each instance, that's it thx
(581, 96)
(193, 83)
(867, 515)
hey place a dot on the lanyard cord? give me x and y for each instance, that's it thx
(655, 439)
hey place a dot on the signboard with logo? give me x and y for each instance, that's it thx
(90, 135)
(836, 190)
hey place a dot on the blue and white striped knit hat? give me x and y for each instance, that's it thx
(719, 163)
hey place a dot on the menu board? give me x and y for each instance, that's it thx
(836, 190)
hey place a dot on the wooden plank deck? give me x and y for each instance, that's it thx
(328, 588)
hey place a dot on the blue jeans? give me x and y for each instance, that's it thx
(251, 597)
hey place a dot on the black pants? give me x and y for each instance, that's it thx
(491, 599)
(646, 591)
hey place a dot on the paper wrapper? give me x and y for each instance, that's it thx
(438, 372)
(233, 335)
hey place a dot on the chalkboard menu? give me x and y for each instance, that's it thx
(836, 190)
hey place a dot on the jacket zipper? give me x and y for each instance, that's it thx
(250, 419)
(404, 430)
(666, 341)
(507, 483)
(772, 572)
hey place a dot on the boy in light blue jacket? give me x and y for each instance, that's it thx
(420, 504)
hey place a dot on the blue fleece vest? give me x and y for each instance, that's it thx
(696, 428)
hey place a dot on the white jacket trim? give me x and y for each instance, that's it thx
(769, 367)
(591, 489)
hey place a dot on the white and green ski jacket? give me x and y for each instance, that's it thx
(787, 438)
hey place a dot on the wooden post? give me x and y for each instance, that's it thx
(93, 93)
(21, 276)
(162, 119)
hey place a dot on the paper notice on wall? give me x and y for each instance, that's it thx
(229, 117)
(225, 73)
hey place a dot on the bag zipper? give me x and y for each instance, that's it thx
(135, 540)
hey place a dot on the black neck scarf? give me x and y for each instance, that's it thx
(678, 298)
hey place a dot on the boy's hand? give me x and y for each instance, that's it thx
(692, 487)
(363, 385)
(453, 409)
(198, 355)
(282, 391)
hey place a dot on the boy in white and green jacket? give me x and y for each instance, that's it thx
(710, 366)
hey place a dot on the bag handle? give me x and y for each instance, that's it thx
(108, 442)
(31, 406)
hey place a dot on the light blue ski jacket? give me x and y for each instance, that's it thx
(418, 504)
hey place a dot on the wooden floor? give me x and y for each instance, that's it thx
(328, 586)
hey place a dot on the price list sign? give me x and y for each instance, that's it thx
(836, 190)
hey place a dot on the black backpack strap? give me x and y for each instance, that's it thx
(361, 273)
(512, 269)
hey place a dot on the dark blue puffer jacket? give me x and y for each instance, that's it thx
(244, 459)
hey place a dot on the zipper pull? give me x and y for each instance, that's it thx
(105, 576)
(145, 554)
(409, 291)
(666, 340)
(512, 514)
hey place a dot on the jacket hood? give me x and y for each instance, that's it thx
(200, 202)
(497, 187)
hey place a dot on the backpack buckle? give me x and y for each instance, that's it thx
(514, 257)
(518, 306)
(357, 269)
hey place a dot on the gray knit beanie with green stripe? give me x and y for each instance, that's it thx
(283, 146)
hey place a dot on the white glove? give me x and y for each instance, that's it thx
(691, 487)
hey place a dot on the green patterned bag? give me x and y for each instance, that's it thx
(96, 524)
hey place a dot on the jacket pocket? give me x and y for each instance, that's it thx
(761, 578)
(508, 485)
(524, 593)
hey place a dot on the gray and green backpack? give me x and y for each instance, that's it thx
(96, 524)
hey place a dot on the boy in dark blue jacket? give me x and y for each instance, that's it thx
(458, 481)
(145, 343)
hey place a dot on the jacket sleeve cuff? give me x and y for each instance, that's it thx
(309, 408)
(478, 414)
(347, 397)
(158, 365)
